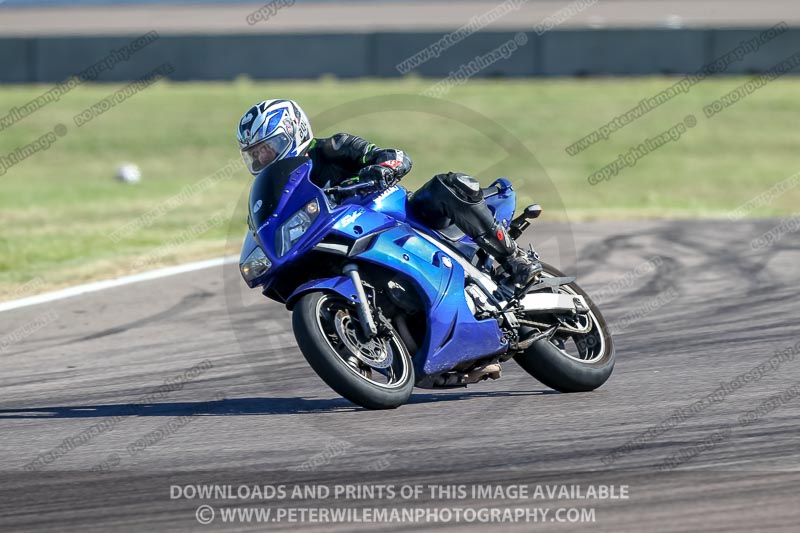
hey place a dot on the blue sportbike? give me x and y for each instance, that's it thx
(380, 303)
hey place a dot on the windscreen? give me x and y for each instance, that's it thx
(269, 186)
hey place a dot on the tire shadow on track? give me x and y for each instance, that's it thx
(238, 406)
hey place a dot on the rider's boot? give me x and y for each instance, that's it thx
(515, 261)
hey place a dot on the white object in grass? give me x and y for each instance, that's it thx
(129, 173)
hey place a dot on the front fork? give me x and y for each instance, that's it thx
(364, 313)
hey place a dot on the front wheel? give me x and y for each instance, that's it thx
(572, 362)
(375, 373)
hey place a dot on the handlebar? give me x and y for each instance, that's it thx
(351, 188)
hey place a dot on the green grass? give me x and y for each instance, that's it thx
(58, 207)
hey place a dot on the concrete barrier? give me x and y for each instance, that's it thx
(771, 53)
(17, 60)
(391, 50)
(299, 56)
(622, 52)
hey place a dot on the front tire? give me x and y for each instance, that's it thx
(592, 360)
(373, 373)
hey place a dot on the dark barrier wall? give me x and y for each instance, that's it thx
(274, 56)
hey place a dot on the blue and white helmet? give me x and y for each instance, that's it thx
(273, 130)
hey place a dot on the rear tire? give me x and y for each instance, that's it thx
(328, 354)
(554, 367)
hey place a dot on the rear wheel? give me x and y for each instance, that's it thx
(375, 373)
(569, 361)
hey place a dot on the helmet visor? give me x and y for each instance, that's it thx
(261, 155)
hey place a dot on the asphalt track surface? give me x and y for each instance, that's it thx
(712, 309)
(360, 17)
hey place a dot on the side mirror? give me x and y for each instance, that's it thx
(520, 224)
(533, 211)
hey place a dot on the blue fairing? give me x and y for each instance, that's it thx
(341, 285)
(453, 334)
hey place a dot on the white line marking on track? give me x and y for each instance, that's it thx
(118, 282)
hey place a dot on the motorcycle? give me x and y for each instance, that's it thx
(381, 304)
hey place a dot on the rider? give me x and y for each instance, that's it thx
(277, 129)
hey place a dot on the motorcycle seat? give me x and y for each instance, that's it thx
(451, 233)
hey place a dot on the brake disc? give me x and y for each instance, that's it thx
(372, 352)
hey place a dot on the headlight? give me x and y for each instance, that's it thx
(294, 228)
(255, 265)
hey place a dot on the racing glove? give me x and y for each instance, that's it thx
(397, 160)
(383, 176)
(385, 167)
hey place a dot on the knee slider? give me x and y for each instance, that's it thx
(464, 186)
